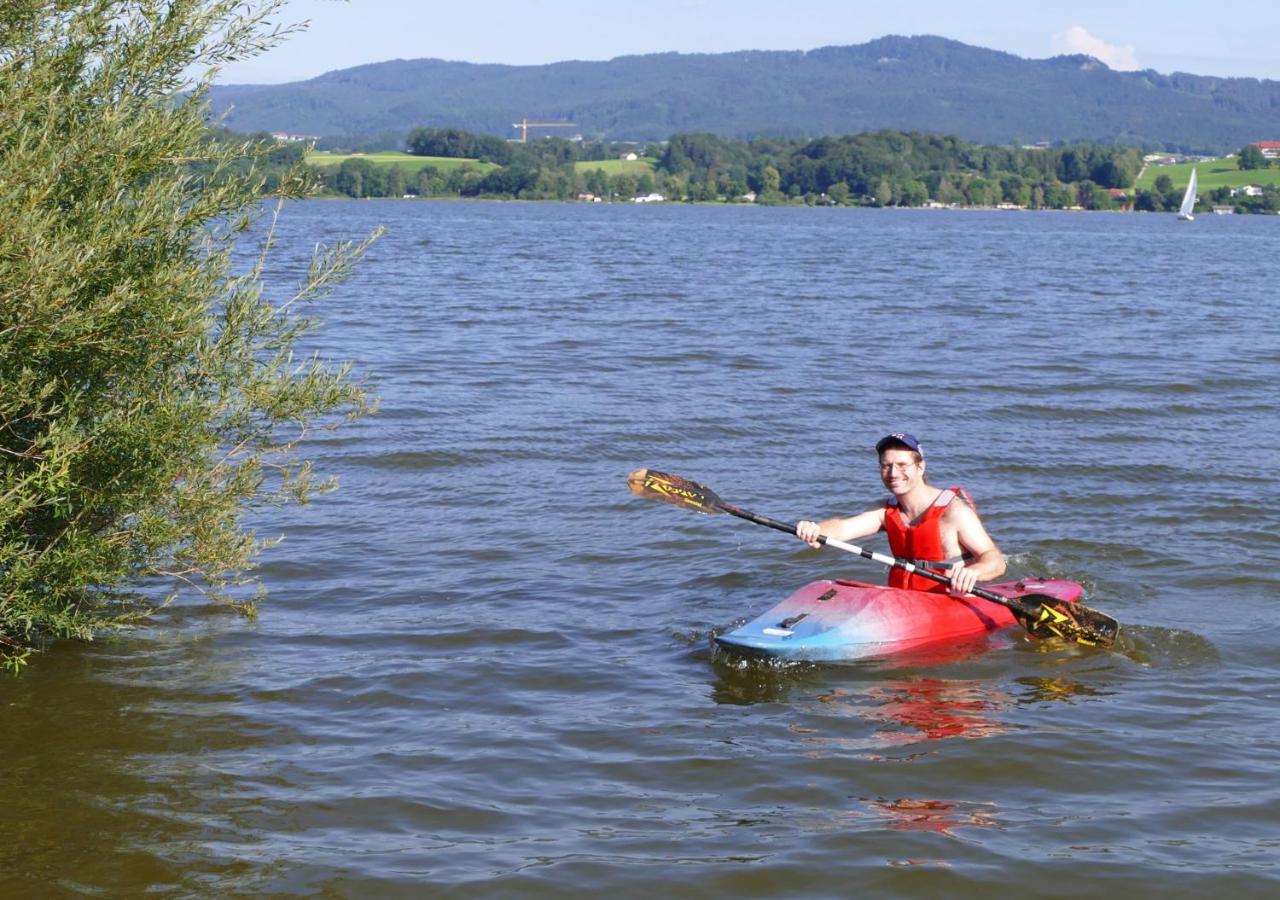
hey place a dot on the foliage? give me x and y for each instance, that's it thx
(878, 168)
(272, 160)
(374, 142)
(1250, 157)
(1163, 196)
(1267, 202)
(883, 168)
(151, 392)
(898, 168)
(455, 142)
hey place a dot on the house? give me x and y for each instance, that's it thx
(1171, 159)
(649, 198)
(1120, 197)
(1249, 190)
(629, 156)
(1270, 149)
(589, 198)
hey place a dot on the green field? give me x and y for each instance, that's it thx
(1214, 173)
(614, 167)
(411, 164)
(406, 161)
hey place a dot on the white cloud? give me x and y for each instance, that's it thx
(1079, 40)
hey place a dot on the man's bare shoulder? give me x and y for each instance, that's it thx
(959, 510)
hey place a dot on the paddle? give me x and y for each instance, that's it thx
(1041, 615)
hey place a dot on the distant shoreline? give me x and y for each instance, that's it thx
(927, 171)
(722, 204)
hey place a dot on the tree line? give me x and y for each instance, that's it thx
(895, 168)
(884, 168)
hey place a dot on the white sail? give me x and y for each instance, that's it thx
(1188, 199)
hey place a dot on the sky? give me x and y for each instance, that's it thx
(1168, 36)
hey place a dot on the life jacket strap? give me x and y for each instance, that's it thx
(940, 563)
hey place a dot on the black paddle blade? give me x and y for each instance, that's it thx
(1051, 617)
(675, 490)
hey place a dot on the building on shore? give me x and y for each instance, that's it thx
(1270, 149)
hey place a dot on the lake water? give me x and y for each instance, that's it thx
(485, 669)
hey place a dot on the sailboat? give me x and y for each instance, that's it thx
(1188, 200)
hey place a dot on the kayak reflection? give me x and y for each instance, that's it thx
(1056, 690)
(745, 680)
(938, 816)
(927, 709)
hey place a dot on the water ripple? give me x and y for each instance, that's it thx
(485, 669)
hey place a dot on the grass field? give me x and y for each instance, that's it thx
(1214, 173)
(408, 163)
(614, 167)
(411, 164)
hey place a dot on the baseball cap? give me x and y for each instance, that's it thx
(899, 438)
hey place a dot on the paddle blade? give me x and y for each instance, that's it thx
(1052, 617)
(675, 490)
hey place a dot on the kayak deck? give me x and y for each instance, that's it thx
(846, 620)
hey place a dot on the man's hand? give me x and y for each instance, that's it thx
(963, 579)
(808, 532)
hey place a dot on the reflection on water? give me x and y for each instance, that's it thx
(745, 680)
(897, 712)
(1056, 690)
(741, 682)
(107, 747)
(924, 709)
(938, 816)
(486, 671)
(1167, 648)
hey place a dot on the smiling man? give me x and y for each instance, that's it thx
(925, 525)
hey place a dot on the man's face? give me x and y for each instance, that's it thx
(900, 471)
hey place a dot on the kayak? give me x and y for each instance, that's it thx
(846, 620)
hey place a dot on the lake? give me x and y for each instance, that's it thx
(485, 669)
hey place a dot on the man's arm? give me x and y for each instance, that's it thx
(988, 561)
(842, 529)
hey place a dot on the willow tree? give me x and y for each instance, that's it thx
(149, 392)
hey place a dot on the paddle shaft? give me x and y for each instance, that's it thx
(890, 561)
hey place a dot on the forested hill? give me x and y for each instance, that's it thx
(911, 83)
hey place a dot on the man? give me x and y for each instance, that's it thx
(925, 525)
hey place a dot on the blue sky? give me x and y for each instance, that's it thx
(1238, 39)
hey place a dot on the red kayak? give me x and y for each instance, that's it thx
(844, 620)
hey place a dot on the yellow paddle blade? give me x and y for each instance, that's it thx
(673, 489)
(1072, 623)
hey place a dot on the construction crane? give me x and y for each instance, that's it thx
(524, 125)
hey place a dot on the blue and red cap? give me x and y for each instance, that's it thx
(899, 439)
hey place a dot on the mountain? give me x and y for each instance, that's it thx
(925, 83)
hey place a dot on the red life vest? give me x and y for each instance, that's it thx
(921, 542)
